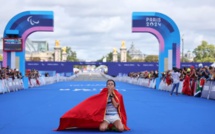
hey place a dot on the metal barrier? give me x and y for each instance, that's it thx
(10, 85)
(209, 90)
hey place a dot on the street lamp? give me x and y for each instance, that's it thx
(182, 42)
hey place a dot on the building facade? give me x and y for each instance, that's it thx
(39, 51)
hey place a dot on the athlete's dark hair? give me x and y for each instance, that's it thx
(112, 81)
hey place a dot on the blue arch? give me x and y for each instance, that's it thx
(167, 33)
(21, 26)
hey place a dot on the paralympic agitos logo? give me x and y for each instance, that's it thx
(31, 21)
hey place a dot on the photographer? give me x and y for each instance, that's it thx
(176, 79)
(203, 73)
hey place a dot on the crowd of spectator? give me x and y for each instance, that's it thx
(193, 78)
(33, 75)
(144, 74)
(6, 73)
(10, 80)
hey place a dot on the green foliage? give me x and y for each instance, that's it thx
(151, 58)
(129, 59)
(72, 56)
(1, 57)
(184, 59)
(100, 60)
(109, 57)
(137, 60)
(204, 52)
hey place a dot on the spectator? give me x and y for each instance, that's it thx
(176, 79)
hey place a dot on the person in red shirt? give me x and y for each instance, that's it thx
(168, 78)
(186, 84)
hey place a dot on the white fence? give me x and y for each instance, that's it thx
(10, 85)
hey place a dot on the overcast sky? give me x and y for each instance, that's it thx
(93, 28)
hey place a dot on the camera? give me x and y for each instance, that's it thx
(175, 69)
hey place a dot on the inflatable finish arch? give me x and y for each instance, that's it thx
(21, 26)
(167, 33)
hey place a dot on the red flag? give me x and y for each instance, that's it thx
(90, 113)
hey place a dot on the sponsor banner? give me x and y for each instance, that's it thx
(114, 68)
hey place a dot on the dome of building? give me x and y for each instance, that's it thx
(135, 53)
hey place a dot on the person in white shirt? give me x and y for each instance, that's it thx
(176, 79)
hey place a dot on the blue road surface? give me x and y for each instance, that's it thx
(149, 111)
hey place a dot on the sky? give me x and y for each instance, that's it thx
(93, 28)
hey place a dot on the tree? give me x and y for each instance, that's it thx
(100, 60)
(129, 59)
(72, 56)
(204, 52)
(137, 60)
(109, 57)
(151, 58)
(184, 59)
